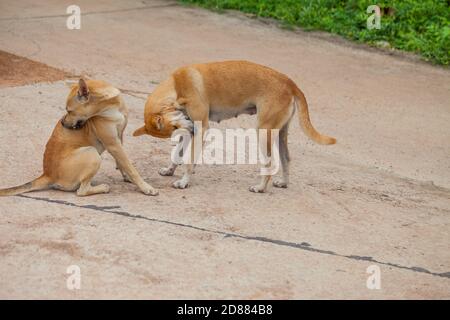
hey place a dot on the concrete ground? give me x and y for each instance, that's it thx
(380, 196)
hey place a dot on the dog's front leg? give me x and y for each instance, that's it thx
(196, 146)
(168, 171)
(125, 176)
(108, 136)
(129, 170)
(177, 155)
(188, 167)
(178, 152)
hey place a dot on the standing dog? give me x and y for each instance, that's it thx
(222, 90)
(95, 120)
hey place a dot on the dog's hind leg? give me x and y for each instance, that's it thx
(92, 161)
(270, 120)
(264, 139)
(77, 171)
(86, 189)
(284, 157)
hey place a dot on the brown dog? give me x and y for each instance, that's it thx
(222, 90)
(95, 120)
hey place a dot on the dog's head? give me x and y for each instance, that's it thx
(86, 100)
(163, 118)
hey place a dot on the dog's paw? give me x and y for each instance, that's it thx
(149, 190)
(279, 183)
(257, 189)
(103, 188)
(166, 171)
(181, 184)
(90, 190)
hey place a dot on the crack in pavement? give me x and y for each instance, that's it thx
(303, 245)
(134, 93)
(91, 13)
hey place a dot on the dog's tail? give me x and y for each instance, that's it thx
(40, 183)
(305, 122)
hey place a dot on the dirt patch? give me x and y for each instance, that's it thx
(18, 71)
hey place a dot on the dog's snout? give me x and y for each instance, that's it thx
(63, 121)
(78, 125)
(71, 125)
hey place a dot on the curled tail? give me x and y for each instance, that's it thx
(40, 183)
(305, 122)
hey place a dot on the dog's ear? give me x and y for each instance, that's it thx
(158, 122)
(140, 131)
(83, 91)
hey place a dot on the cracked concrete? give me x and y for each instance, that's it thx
(303, 245)
(380, 196)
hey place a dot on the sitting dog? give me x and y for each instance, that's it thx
(222, 90)
(95, 120)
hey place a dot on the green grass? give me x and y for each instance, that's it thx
(422, 27)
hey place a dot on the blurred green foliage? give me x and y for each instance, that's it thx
(420, 26)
